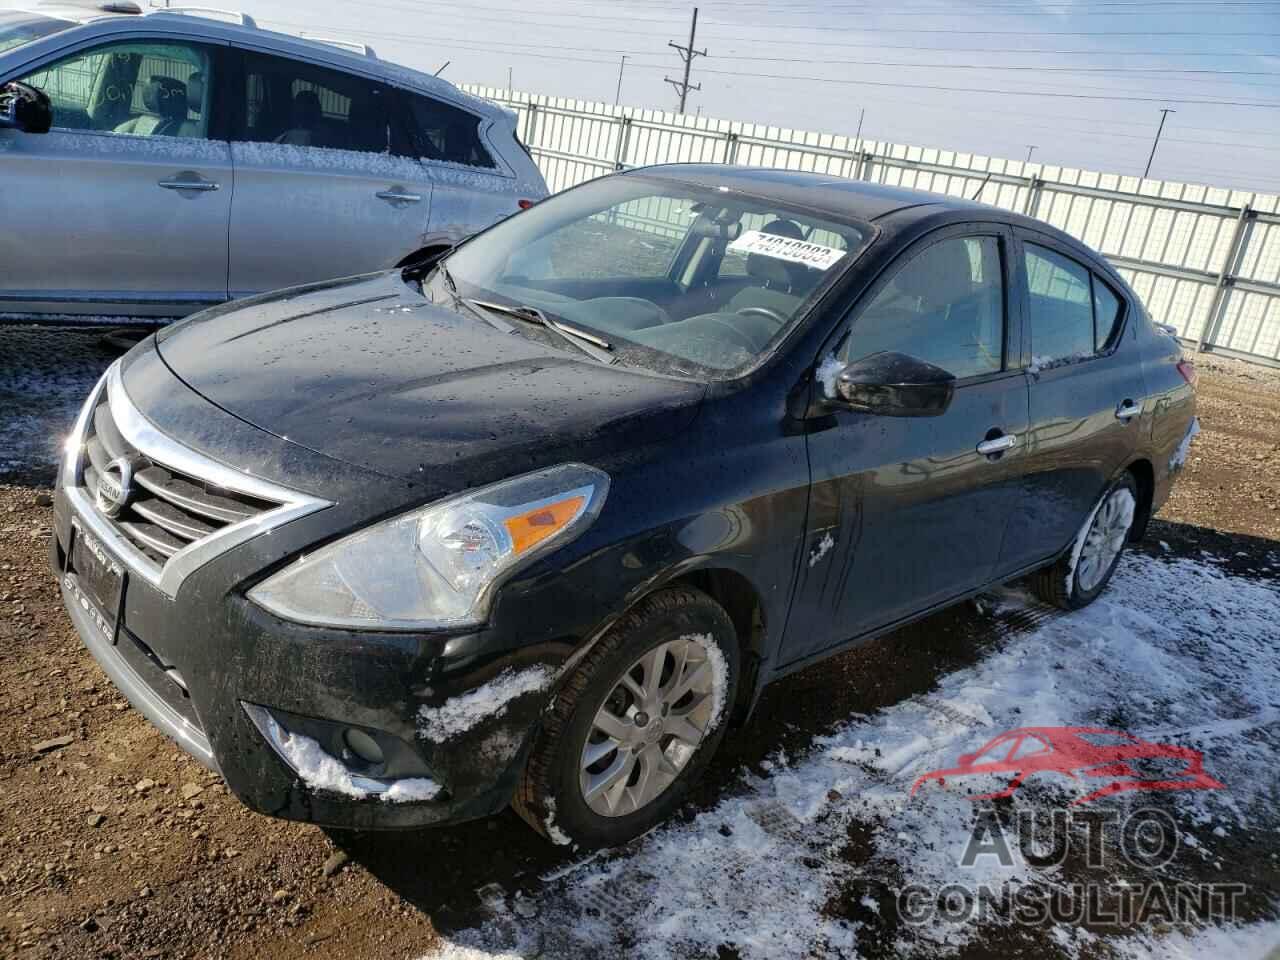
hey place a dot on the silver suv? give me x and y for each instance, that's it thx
(192, 160)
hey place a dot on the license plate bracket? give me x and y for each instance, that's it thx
(99, 577)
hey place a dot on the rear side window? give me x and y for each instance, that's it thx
(295, 103)
(1073, 313)
(441, 131)
(945, 306)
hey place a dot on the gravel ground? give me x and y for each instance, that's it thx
(114, 844)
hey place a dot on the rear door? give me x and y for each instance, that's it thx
(123, 205)
(323, 184)
(1086, 389)
(904, 512)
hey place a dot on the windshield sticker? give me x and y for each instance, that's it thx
(787, 248)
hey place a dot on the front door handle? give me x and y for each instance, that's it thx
(1000, 444)
(1128, 409)
(201, 185)
(397, 195)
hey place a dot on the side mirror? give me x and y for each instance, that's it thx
(25, 108)
(894, 385)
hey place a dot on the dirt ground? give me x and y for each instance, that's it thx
(114, 844)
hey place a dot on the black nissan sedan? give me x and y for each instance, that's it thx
(535, 524)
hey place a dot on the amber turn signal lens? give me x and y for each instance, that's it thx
(529, 529)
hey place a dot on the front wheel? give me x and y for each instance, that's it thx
(1076, 579)
(635, 725)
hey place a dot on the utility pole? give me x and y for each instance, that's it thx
(1164, 113)
(1031, 148)
(618, 95)
(509, 86)
(857, 137)
(687, 54)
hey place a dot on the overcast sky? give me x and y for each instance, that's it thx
(1106, 68)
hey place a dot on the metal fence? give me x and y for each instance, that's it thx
(1206, 260)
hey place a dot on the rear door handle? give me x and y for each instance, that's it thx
(1128, 409)
(999, 445)
(200, 185)
(398, 195)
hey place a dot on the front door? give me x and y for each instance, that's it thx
(323, 188)
(905, 513)
(122, 206)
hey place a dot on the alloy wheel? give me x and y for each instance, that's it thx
(650, 725)
(1105, 538)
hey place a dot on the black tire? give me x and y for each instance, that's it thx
(1059, 582)
(549, 796)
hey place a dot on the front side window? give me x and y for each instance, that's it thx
(638, 263)
(138, 88)
(945, 306)
(295, 103)
(442, 131)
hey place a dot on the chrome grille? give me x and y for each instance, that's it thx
(182, 508)
(168, 510)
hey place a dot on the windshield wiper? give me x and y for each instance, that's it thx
(593, 346)
(500, 325)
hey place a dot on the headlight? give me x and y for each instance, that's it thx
(437, 566)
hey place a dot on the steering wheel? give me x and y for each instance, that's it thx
(765, 312)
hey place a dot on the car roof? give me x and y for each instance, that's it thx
(854, 199)
(206, 24)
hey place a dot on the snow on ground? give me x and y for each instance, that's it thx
(45, 374)
(1175, 646)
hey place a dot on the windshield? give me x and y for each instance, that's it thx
(685, 280)
(19, 28)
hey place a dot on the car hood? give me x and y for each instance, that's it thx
(367, 371)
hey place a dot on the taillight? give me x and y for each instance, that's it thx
(1188, 371)
(525, 204)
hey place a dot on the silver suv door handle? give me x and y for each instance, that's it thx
(203, 185)
(998, 445)
(1128, 409)
(398, 195)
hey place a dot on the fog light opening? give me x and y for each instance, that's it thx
(362, 746)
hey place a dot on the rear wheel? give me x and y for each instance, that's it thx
(635, 725)
(1079, 577)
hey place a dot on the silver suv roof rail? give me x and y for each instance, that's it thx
(361, 48)
(99, 6)
(216, 13)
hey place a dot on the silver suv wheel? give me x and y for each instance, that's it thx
(650, 725)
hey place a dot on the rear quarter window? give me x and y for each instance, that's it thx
(444, 132)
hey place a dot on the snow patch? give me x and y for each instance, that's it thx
(321, 771)
(1180, 455)
(822, 549)
(826, 375)
(554, 833)
(757, 872)
(459, 714)
(719, 673)
(1039, 363)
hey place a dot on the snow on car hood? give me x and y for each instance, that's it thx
(367, 371)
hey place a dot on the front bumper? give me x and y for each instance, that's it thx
(193, 665)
